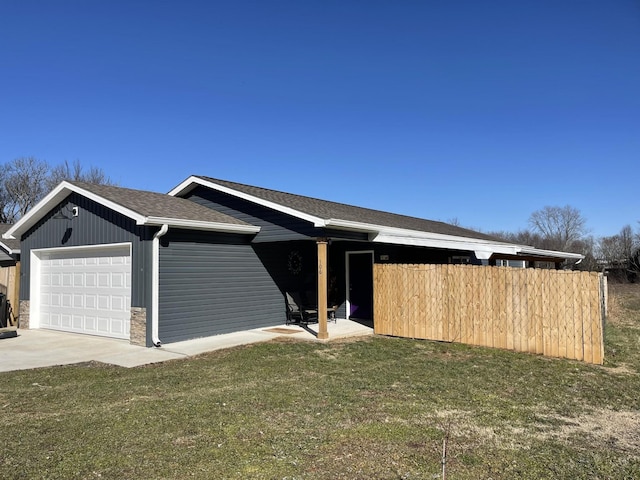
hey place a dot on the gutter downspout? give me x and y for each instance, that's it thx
(155, 285)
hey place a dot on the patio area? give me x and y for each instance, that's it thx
(45, 348)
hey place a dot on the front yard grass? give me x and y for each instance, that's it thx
(368, 408)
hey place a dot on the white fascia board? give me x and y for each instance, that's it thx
(481, 249)
(200, 225)
(352, 226)
(185, 186)
(526, 250)
(37, 212)
(56, 196)
(10, 251)
(65, 188)
(382, 234)
(398, 234)
(190, 182)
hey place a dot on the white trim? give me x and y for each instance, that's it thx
(63, 190)
(201, 225)
(10, 251)
(54, 197)
(348, 278)
(382, 230)
(452, 243)
(526, 250)
(483, 249)
(34, 290)
(188, 185)
(35, 273)
(81, 247)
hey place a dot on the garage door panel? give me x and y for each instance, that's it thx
(87, 291)
(118, 280)
(91, 279)
(90, 302)
(90, 323)
(118, 303)
(65, 300)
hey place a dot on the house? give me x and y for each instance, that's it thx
(214, 256)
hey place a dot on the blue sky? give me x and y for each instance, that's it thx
(480, 111)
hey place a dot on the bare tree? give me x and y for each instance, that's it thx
(587, 247)
(620, 254)
(617, 248)
(560, 227)
(24, 183)
(522, 237)
(76, 172)
(25, 180)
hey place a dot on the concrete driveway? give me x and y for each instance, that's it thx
(45, 348)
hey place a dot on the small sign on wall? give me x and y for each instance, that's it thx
(384, 258)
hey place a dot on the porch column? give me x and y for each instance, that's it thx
(322, 289)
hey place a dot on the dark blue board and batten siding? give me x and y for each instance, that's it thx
(211, 284)
(94, 225)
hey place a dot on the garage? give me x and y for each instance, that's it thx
(86, 290)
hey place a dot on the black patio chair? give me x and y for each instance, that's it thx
(297, 312)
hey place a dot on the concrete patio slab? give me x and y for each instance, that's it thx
(44, 348)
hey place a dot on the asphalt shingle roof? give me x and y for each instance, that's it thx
(153, 204)
(339, 211)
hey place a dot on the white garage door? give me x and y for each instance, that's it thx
(86, 290)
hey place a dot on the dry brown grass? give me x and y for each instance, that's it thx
(602, 427)
(624, 304)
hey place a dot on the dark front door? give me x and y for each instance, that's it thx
(361, 285)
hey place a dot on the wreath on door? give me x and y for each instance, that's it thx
(294, 264)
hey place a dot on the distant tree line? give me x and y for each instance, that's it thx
(564, 229)
(24, 181)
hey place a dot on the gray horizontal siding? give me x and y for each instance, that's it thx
(212, 284)
(94, 225)
(274, 226)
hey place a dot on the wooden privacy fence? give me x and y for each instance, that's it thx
(551, 312)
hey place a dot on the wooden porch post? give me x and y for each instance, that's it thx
(322, 289)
